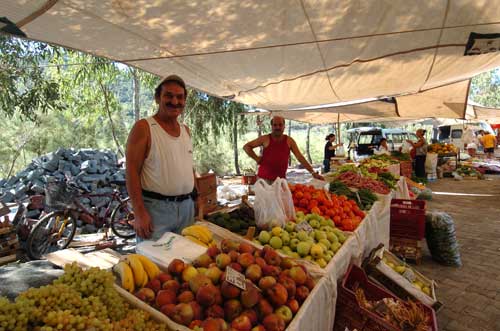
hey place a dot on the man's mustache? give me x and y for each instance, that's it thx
(171, 105)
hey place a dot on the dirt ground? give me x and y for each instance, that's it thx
(471, 293)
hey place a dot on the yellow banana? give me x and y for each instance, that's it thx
(126, 275)
(199, 232)
(149, 266)
(140, 275)
(196, 240)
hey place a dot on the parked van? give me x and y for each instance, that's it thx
(454, 133)
(365, 140)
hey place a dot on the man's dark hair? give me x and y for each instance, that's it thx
(331, 135)
(171, 79)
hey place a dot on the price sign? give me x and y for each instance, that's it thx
(409, 274)
(235, 278)
(304, 226)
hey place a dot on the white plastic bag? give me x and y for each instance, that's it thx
(406, 148)
(268, 205)
(286, 198)
(339, 151)
(431, 161)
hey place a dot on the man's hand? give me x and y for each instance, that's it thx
(143, 225)
(317, 176)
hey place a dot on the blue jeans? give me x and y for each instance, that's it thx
(168, 216)
(326, 166)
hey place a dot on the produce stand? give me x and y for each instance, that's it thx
(450, 159)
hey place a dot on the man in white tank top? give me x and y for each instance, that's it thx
(159, 166)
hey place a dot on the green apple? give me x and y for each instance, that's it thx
(317, 251)
(319, 235)
(286, 249)
(290, 226)
(325, 242)
(324, 222)
(335, 247)
(314, 223)
(303, 248)
(321, 262)
(293, 235)
(276, 231)
(275, 242)
(294, 243)
(264, 237)
(332, 238)
(302, 235)
(295, 255)
(285, 238)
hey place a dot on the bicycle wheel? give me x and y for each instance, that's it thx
(52, 233)
(122, 220)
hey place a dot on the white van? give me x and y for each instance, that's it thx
(454, 133)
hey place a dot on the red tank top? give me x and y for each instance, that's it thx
(274, 159)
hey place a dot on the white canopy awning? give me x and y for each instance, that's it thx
(283, 54)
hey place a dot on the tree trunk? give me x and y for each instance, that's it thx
(259, 126)
(136, 95)
(235, 144)
(308, 152)
(113, 133)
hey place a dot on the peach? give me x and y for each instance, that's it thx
(164, 297)
(289, 284)
(214, 274)
(259, 327)
(310, 283)
(293, 304)
(197, 310)
(252, 315)
(260, 262)
(213, 251)
(236, 266)
(271, 270)
(234, 255)
(168, 309)
(188, 273)
(287, 263)
(163, 277)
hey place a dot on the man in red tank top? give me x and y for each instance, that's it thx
(277, 146)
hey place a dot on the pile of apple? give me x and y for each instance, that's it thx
(401, 269)
(318, 246)
(199, 296)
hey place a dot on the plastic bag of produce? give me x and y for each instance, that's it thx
(441, 239)
(425, 194)
(268, 205)
(431, 161)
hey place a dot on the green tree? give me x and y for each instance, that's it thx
(485, 89)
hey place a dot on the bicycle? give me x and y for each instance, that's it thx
(56, 230)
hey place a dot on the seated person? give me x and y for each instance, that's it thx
(471, 149)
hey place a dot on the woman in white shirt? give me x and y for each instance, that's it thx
(382, 148)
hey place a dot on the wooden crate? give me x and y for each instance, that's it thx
(206, 184)
(206, 203)
(9, 245)
(407, 249)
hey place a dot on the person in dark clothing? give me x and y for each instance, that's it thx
(420, 153)
(329, 151)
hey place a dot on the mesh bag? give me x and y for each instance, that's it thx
(441, 239)
(59, 195)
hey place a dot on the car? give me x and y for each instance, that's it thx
(454, 133)
(364, 140)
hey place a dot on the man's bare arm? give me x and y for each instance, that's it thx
(249, 146)
(137, 149)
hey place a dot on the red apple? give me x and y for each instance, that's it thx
(214, 311)
(203, 261)
(176, 267)
(228, 245)
(289, 284)
(165, 297)
(285, 312)
(264, 308)
(241, 323)
(229, 291)
(272, 257)
(234, 255)
(252, 315)
(273, 322)
(310, 283)
(245, 260)
(259, 327)
(246, 248)
(183, 314)
(214, 324)
(298, 275)
(250, 296)
(267, 282)
(171, 284)
(287, 263)
(232, 309)
(197, 310)
(213, 251)
(195, 323)
(154, 284)
(168, 309)
(236, 266)
(206, 295)
(253, 272)
(271, 270)
(301, 293)
(198, 281)
(163, 277)
(260, 261)
(185, 297)
(222, 260)
(294, 306)
(277, 294)
(146, 294)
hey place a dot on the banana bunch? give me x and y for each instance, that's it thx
(135, 271)
(199, 234)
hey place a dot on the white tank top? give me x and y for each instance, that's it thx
(168, 169)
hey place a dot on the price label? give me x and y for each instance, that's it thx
(235, 278)
(304, 226)
(409, 274)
